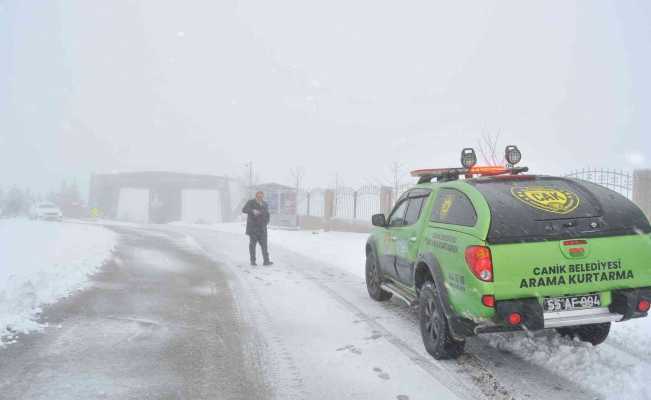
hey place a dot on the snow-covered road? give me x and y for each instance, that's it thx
(540, 365)
(318, 344)
(179, 313)
(327, 339)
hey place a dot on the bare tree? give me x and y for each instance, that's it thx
(488, 148)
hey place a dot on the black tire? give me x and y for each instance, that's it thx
(434, 326)
(593, 333)
(374, 280)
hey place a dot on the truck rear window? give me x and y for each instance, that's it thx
(548, 208)
(453, 207)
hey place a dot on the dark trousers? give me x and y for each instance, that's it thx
(254, 239)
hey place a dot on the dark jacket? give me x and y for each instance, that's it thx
(256, 224)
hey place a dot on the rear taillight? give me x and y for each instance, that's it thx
(514, 319)
(480, 263)
(643, 305)
(488, 300)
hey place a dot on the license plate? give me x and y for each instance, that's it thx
(552, 304)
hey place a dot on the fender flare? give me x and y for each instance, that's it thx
(371, 243)
(436, 272)
(460, 327)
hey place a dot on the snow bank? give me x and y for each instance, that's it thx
(617, 372)
(41, 262)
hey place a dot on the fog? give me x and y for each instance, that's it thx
(343, 89)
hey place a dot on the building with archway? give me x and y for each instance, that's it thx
(162, 197)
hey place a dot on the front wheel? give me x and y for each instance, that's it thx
(593, 333)
(374, 281)
(434, 327)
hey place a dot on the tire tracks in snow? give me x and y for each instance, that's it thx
(480, 363)
(484, 372)
(286, 387)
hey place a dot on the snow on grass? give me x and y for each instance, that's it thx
(616, 369)
(42, 262)
(342, 250)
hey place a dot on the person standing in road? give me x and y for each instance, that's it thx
(257, 212)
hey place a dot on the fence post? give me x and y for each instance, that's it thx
(642, 190)
(307, 196)
(355, 204)
(385, 199)
(329, 204)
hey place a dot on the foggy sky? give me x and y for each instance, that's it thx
(337, 87)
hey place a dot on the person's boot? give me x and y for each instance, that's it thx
(267, 263)
(253, 263)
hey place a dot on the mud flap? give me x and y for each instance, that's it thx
(625, 302)
(530, 309)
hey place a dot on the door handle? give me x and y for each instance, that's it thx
(413, 239)
(394, 238)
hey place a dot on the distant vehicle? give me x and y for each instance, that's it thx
(501, 251)
(46, 211)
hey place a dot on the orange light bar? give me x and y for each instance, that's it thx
(488, 170)
(431, 171)
(485, 170)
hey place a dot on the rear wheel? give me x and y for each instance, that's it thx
(434, 326)
(374, 281)
(593, 333)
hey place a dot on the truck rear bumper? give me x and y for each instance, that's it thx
(580, 317)
(555, 320)
(623, 307)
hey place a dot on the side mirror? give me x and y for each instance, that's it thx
(379, 220)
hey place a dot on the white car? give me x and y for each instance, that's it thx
(46, 211)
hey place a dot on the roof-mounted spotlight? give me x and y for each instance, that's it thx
(468, 157)
(512, 155)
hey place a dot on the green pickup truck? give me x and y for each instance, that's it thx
(502, 251)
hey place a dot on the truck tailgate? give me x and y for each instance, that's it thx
(572, 266)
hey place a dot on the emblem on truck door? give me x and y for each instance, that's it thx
(547, 199)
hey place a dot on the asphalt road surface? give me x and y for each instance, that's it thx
(179, 314)
(158, 323)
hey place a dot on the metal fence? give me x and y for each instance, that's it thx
(617, 180)
(368, 201)
(311, 202)
(347, 202)
(361, 203)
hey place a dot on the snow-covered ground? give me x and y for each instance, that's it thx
(617, 368)
(42, 262)
(343, 250)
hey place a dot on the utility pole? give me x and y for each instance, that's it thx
(336, 194)
(297, 173)
(249, 165)
(395, 170)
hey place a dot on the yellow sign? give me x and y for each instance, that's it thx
(547, 199)
(445, 207)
